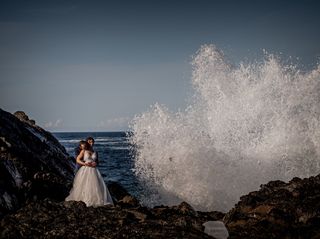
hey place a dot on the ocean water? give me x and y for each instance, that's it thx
(116, 162)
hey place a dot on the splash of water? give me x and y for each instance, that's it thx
(245, 126)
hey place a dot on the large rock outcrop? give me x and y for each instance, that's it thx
(33, 164)
(278, 210)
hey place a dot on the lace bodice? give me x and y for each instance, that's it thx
(89, 158)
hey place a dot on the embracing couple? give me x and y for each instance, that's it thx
(88, 184)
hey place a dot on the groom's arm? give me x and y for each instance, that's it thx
(77, 151)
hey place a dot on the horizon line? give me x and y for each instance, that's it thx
(115, 131)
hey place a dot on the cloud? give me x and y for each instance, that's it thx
(53, 124)
(119, 123)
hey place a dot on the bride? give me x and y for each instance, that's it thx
(88, 184)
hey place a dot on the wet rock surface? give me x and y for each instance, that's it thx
(72, 219)
(278, 210)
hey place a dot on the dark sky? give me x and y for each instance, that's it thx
(92, 65)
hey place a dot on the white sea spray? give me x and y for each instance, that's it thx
(245, 126)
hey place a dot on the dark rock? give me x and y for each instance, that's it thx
(128, 201)
(184, 215)
(21, 116)
(186, 209)
(33, 164)
(278, 210)
(52, 219)
(24, 118)
(117, 191)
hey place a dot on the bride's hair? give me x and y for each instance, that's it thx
(85, 143)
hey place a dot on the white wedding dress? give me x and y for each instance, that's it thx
(88, 185)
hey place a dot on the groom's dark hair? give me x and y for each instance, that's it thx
(90, 138)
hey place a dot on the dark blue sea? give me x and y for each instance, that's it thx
(116, 162)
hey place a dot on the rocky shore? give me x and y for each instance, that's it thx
(36, 175)
(127, 219)
(278, 210)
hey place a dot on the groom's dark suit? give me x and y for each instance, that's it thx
(77, 151)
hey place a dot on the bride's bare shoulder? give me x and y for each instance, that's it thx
(82, 151)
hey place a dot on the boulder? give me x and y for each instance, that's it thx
(33, 164)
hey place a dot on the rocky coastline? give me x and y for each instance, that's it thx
(36, 175)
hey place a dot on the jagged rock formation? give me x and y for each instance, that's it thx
(278, 210)
(33, 164)
(127, 219)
